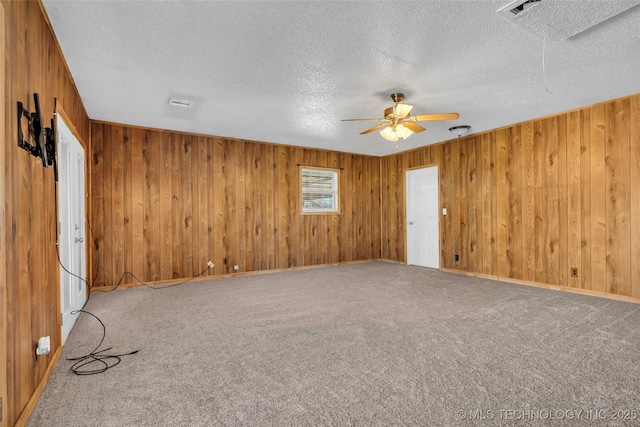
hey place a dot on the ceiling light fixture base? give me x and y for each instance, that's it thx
(460, 130)
(397, 97)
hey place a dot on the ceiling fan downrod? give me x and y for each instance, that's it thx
(397, 97)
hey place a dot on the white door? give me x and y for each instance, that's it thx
(423, 242)
(73, 291)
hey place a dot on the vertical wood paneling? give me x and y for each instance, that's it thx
(551, 201)
(488, 191)
(116, 189)
(446, 196)
(634, 187)
(4, 314)
(96, 221)
(374, 197)
(528, 202)
(618, 202)
(230, 213)
(217, 196)
(475, 204)
(398, 212)
(188, 210)
(551, 194)
(268, 176)
(563, 195)
(282, 206)
(515, 239)
(152, 233)
(206, 198)
(128, 201)
(463, 203)
(502, 212)
(585, 198)
(539, 215)
(137, 201)
(574, 196)
(29, 308)
(454, 184)
(202, 231)
(253, 209)
(107, 239)
(166, 173)
(598, 201)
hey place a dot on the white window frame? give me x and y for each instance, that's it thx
(333, 192)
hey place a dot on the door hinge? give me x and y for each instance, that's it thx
(61, 319)
(0, 408)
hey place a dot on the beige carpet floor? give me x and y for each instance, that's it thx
(372, 344)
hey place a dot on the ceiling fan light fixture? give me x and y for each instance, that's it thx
(403, 132)
(460, 130)
(389, 134)
(398, 124)
(403, 110)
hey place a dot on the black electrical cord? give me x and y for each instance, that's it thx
(104, 361)
(107, 361)
(155, 287)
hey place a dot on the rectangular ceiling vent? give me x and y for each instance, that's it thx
(520, 6)
(515, 8)
(184, 103)
(557, 20)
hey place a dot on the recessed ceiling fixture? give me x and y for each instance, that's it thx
(460, 130)
(397, 122)
(184, 103)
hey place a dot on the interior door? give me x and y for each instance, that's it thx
(423, 241)
(73, 292)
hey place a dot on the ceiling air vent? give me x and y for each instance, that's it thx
(515, 8)
(522, 6)
(184, 103)
(559, 20)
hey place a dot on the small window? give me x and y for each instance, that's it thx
(319, 190)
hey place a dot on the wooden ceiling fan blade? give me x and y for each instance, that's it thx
(414, 127)
(372, 129)
(360, 120)
(428, 117)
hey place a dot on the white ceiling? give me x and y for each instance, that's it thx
(288, 72)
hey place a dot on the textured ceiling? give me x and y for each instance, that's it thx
(288, 72)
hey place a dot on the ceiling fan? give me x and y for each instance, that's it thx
(398, 123)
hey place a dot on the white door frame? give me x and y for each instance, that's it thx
(72, 214)
(434, 211)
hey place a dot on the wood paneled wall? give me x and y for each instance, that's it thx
(534, 200)
(164, 203)
(3, 223)
(30, 277)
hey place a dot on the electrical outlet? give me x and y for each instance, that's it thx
(457, 257)
(235, 268)
(210, 264)
(574, 272)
